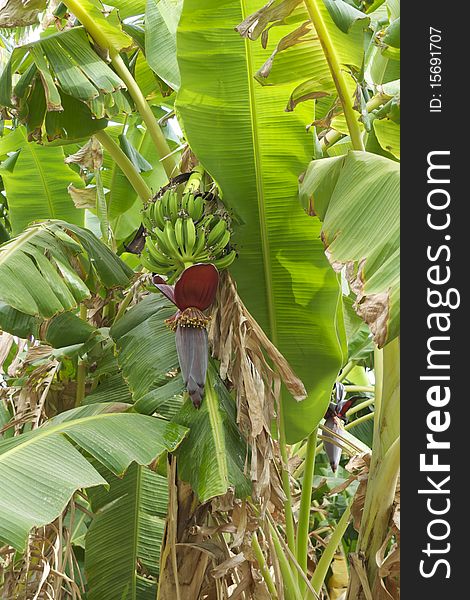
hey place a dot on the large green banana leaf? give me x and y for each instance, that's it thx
(125, 537)
(36, 182)
(39, 274)
(357, 196)
(40, 470)
(256, 152)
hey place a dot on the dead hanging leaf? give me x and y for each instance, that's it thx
(274, 10)
(387, 582)
(83, 197)
(6, 343)
(304, 92)
(359, 467)
(374, 309)
(255, 368)
(89, 157)
(20, 13)
(300, 35)
(188, 160)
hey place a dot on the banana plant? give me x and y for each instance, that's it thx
(150, 159)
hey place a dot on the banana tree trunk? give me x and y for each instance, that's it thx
(383, 475)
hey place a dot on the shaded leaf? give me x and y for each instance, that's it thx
(38, 273)
(124, 540)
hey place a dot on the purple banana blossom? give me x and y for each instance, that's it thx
(193, 293)
(334, 418)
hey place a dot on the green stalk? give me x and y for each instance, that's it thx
(347, 369)
(81, 368)
(367, 417)
(124, 304)
(336, 73)
(305, 503)
(263, 567)
(360, 388)
(358, 407)
(385, 463)
(291, 589)
(159, 140)
(290, 532)
(126, 166)
(329, 553)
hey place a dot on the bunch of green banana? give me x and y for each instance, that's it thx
(178, 234)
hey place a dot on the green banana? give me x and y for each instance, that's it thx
(153, 267)
(198, 209)
(200, 244)
(185, 201)
(146, 220)
(225, 261)
(155, 254)
(189, 237)
(158, 214)
(173, 207)
(170, 240)
(165, 199)
(220, 245)
(179, 234)
(217, 232)
(162, 241)
(190, 206)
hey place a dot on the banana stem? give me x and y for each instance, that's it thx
(263, 567)
(159, 140)
(336, 73)
(305, 503)
(131, 173)
(289, 515)
(81, 368)
(329, 552)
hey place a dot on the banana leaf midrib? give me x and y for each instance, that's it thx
(48, 431)
(259, 187)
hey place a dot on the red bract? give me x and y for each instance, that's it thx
(193, 293)
(196, 288)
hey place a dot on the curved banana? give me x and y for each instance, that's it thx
(217, 232)
(173, 207)
(189, 237)
(154, 253)
(163, 246)
(179, 233)
(200, 244)
(220, 245)
(152, 266)
(225, 261)
(158, 214)
(198, 208)
(170, 240)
